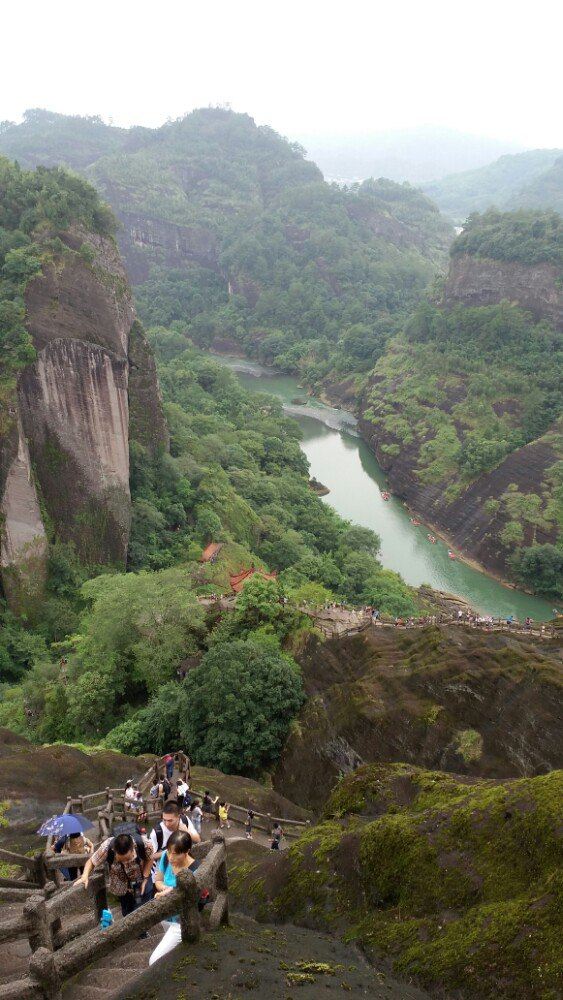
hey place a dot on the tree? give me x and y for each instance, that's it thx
(541, 567)
(242, 698)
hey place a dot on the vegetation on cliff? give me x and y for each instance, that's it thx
(235, 474)
(462, 389)
(457, 882)
(527, 236)
(266, 254)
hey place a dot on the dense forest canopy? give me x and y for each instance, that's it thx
(526, 236)
(275, 260)
(235, 474)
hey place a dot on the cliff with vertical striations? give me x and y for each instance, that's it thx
(65, 442)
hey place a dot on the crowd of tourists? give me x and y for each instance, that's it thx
(144, 865)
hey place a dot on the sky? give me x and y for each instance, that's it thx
(490, 68)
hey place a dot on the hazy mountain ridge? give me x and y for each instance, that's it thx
(533, 179)
(418, 155)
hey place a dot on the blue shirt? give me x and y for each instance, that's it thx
(168, 877)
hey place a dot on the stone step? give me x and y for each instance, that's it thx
(110, 978)
(82, 991)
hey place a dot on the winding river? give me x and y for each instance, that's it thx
(341, 460)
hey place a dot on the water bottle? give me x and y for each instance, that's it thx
(106, 920)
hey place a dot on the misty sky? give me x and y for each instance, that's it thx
(492, 68)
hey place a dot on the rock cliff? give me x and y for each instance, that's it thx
(472, 703)
(480, 281)
(66, 455)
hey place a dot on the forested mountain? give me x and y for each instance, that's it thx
(464, 409)
(230, 231)
(533, 179)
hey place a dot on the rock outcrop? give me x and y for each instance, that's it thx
(473, 703)
(66, 456)
(481, 281)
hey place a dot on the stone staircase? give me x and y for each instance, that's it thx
(109, 975)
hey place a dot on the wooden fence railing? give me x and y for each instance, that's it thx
(49, 970)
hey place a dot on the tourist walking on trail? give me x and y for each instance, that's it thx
(175, 859)
(223, 815)
(277, 834)
(172, 822)
(183, 793)
(208, 805)
(169, 762)
(129, 861)
(248, 824)
(196, 815)
(74, 843)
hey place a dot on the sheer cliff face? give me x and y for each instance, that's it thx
(480, 281)
(69, 460)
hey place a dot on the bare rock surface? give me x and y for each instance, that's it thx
(481, 281)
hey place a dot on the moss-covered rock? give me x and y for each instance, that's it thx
(456, 881)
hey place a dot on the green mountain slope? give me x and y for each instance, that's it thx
(229, 230)
(524, 180)
(464, 409)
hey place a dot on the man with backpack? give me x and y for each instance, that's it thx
(129, 857)
(172, 822)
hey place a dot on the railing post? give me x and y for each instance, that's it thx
(189, 913)
(99, 893)
(39, 929)
(44, 970)
(39, 869)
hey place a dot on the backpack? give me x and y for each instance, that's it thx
(133, 830)
(154, 792)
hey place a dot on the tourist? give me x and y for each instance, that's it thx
(129, 861)
(163, 789)
(171, 822)
(183, 790)
(277, 834)
(74, 843)
(196, 815)
(208, 805)
(130, 797)
(176, 858)
(248, 824)
(169, 763)
(224, 815)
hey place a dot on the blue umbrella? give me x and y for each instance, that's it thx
(64, 826)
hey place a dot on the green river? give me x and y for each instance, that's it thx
(342, 461)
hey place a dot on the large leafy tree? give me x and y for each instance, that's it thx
(241, 698)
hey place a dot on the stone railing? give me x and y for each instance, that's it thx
(50, 969)
(262, 821)
(43, 908)
(34, 877)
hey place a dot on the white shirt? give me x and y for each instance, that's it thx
(166, 834)
(182, 787)
(130, 793)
